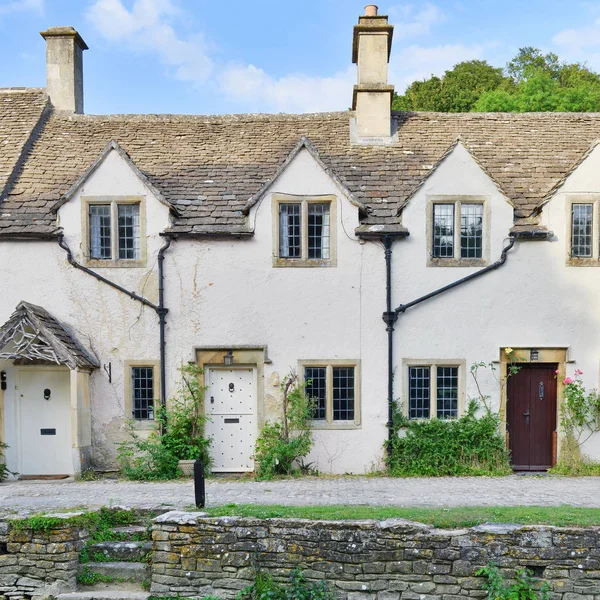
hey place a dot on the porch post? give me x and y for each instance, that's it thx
(81, 422)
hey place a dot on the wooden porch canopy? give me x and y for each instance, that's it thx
(33, 334)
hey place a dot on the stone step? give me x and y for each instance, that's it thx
(105, 594)
(120, 551)
(132, 530)
(120, 571)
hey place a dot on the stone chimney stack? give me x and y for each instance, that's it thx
(64, 68)
(372, 99)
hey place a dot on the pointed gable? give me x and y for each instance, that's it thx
(112, 146)
(32, 333)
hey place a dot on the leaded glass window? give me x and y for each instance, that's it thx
(129, 231)
(447, 392)
(100, 231)
(143, 392)
(318, 230)
(290, 230)
(581, 230)
(316, 389)
(343, 393)
(419, 390)
(433, 391)
(471, 230)
(443, 230)
(334, 389)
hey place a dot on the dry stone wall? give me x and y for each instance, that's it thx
(366, 560)
(36, 563)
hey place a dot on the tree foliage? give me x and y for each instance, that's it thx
(531, 82)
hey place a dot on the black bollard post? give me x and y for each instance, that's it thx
(199, 490)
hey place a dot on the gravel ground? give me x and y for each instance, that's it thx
(514, 490)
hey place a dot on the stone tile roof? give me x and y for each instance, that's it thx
(52, 339)
(21, 111)
(210, 168)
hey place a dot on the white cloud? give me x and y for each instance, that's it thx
(414, 21)
(149, 26)
(580, 44)
(417, 62)
(258, 90)
(22, 6)
(146, 27)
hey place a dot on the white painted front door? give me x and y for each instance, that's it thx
(231, 407)
(44, 417)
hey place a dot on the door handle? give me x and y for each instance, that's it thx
(541, 390)
(527, 414)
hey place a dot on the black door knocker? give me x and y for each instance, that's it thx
(231, 387)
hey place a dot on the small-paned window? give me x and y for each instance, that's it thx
(316, 388)
(305, 233)
(443, 230)
(333, 388)
(457, 232)
(129, 231)
(471, 230)
(318, 230)
(289, 230)
(433, 390)
(115, 232)
(582, 230)
(100, 232)
(142, 389)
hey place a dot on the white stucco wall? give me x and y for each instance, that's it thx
(226, 293)
(534, 300)
(108, 322)
(234, 296)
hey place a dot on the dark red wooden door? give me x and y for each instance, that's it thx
(531, 416)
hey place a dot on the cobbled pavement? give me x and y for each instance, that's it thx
(515, 490)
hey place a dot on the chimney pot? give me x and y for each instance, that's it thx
(371, 10)
(64, 68)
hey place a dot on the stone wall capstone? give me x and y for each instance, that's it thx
(194, 555)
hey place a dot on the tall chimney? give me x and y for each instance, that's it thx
(64, 68)
(372, 99)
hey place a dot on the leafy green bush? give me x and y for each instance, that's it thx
(579, 420)
(524, 587)
(280, 445)
(470, 445)
(179, 435)
(264, 588)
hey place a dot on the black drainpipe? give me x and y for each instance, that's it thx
(391, 316)
(160, 310)
(162, 320)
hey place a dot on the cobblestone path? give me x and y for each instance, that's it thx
(376, 491)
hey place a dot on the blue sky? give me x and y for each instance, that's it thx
(204, 57)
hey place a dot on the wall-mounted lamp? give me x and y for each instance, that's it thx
(228, 358)
(534, 354)
(2, 380)
(47, 394)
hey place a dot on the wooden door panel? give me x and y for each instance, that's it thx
(518, 430)
(543, 416)
(531, 416)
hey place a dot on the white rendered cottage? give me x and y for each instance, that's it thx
(254, 244)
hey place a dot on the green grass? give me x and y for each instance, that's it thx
(466, 516)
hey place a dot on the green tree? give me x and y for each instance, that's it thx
(457, 91)
(531, 82)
